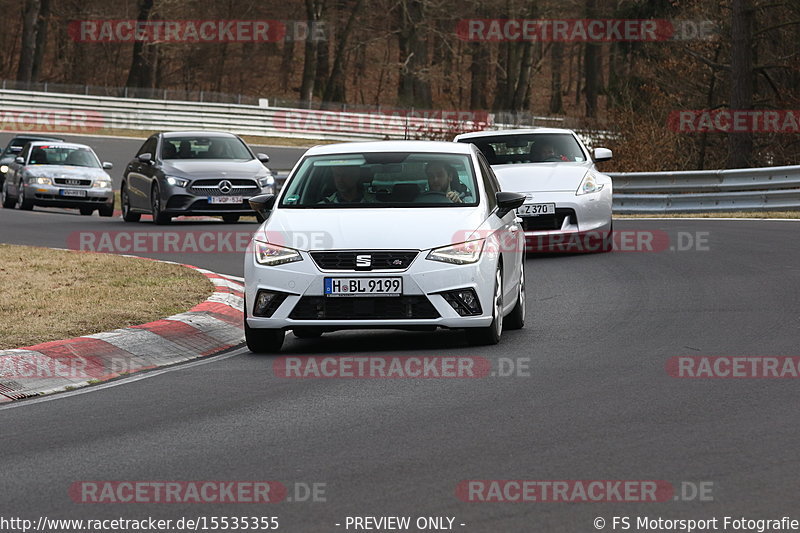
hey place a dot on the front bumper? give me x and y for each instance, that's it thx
(179, 201)
(53, 196)
(422, 281)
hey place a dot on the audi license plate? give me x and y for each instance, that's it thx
(532, 210)
(363, 286)
(72, 192)
(224, 199)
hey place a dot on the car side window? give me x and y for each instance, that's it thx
(489, 181)
(149, 147)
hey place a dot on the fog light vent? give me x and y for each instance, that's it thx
(464, 301)
(267, 302)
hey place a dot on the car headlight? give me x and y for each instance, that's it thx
(177, 182)
(3, 169)
(273, 255)
(101, 184)
(462, 253)
(266, 181)
(589, 185)
(41, 180)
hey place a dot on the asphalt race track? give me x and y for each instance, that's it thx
(596, 401)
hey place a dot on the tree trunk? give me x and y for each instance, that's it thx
(740, 144)
(41, 38)
(313, 14)
(141, 71)
(414, 87)
(591, 66)
(556, 64)
(30, 17)
(335, 88)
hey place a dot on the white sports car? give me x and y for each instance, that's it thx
(396, 234)
(568, 202)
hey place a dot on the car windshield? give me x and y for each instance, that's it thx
(391, 179)
(529, 148)
(192, 147)
(17, 143)
(73, 156)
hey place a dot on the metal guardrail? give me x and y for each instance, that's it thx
(747, 189)
(26, 110)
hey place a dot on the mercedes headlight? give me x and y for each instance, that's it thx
(462, 253)
(177, 182)
(272, 255)
(589, 185)
(266, 181)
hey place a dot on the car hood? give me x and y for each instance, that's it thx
(66, 170)
(214, 168)
(538, 177)
(386, 228)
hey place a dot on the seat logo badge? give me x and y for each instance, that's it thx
(225, 186)
(363, 261)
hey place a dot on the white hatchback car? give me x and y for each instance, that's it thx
(568, 201)
(392, 234)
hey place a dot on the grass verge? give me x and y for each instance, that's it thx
(47, 295)
(733, 214)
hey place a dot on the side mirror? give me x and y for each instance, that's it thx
(146, 158)
(264, 158)
(602, 154)
(20, 160)
(262, 205)
(508, 201)
(107, 165)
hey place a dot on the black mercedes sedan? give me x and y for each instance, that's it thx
(193, 173)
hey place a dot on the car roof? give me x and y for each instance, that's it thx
(59, 143)
(29, 138)
(195, 133)
(391, 146)
(527, 131)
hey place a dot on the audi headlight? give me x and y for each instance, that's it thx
(462, 253)
(101, 184)
(3, 169)
(41, 180)
(273, 255)
(589, 185)
(177, 182)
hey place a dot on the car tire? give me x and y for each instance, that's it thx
(8, 201)
(307, 333)
(159, 217)
(86, 211)
(22, 202)
(492, 333)
(263, 340)
(127, 214)
(516, 318)
(106, 210)
(230, 219)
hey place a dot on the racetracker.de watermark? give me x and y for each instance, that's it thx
(399, 367)
(733, 367)
(735, 121)
(44, 120)
(196, 31)
(35, 366)
(581, 491)
(584, 30)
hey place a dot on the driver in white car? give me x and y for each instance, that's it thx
(440, 177)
